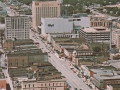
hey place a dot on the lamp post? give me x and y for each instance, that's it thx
(14, 39)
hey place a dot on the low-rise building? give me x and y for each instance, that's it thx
(103, 76)
(43, 77)
(95, 34)
(11, 44)
(25, 59)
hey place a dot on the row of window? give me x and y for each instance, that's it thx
(45, 85)
(70, 36)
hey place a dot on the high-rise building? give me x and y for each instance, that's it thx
(44, 9)
(17, 27)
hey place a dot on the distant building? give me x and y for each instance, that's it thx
(95, 34)
(17, 27)
(103, 76)
(44, 9)
(116, 38)
(99, 21)
(3, 12)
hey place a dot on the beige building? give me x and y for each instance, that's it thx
(99, 21)
(44, 9)
(55, 84)
(116, 38)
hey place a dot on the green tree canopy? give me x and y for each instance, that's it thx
(97, 49)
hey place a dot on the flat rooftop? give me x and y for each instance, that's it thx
(115, 63)
(69, 41)
(44, 72)
(99, 67)
(115, 85)
(95, 29)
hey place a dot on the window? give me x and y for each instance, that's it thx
(53, 84)
(33, 85)
(25, 86)
(56, 84)
(78, 19)
(29, 85)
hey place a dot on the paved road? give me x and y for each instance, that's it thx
(5, 71)
(63, 67)
(8, 79)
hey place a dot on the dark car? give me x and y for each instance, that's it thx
(75, 89)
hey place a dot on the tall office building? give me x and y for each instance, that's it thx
(17, 27)
(44, 9)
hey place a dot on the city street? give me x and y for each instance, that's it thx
(72, 79)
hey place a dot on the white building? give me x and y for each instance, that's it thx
(96, 34)
(56, 25)
(81, 19)
(17, 27)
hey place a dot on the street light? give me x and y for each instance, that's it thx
(14, 39)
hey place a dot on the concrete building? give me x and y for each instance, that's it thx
(81, 19)
(95, 34)
(10, 44)
(25, 58)
(99, 21)
(116, 38)
(44, 9)
(17, 27)
(56, 25)
(103, 76)
(44, 77)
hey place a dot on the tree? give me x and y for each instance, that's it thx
(97, 49)
(2, 20)
(88, 11)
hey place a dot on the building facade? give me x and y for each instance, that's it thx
(44, 9)
(95, 34)
(99, 21)
(116, 38)
(81, 19)
(17, 27)
(58, 84)
(56, 25)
